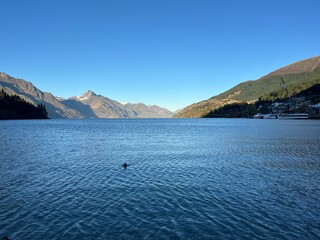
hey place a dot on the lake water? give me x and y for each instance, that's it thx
(186, 179)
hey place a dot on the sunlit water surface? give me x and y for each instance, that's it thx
(187, 179)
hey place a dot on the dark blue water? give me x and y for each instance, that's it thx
(187, 179)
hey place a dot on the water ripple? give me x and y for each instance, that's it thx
(187, 179)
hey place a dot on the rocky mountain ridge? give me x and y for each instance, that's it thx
(88, 105)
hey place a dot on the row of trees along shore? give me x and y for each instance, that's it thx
(14, 107)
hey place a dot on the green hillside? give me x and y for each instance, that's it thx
(251, 91)
(310, 92)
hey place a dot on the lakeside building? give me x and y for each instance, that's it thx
(314, 111)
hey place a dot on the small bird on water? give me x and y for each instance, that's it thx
(125, 165)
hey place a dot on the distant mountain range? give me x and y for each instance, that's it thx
(305, 72)
(88, 105)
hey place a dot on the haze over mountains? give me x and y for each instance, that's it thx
(302, 72)
(88, 105)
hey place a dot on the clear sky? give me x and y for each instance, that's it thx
(171, 53)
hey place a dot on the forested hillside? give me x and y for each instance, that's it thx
(281, 83)
(14, 107)
(299, 93)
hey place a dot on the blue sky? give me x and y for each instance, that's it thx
(171, 53)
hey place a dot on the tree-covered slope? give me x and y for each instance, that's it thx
(27, 91)
(309, 92)
(252, 90)
(14, 107)
(302, 72)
